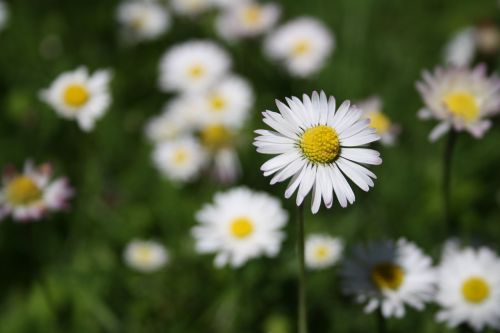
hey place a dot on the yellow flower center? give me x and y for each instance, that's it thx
(462, 104)
(320, 144)
(252, 15)
(301, 47)
(475, 290)
(76, 95)
(143, 254)
(139, 21)
(217, 102)
(216, 136)
(241, 227)
(196, 71)
(387, 276)
(379, 121)
(22, 190)
(321, 252)
(180, 156)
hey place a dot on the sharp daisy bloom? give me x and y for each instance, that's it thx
(302, 45)
(389, 276)
(4, 14)
(460, 99)
(322, 251)
(190, 7)
(386, 129)
(318, 146)
(469, 288)
(240, 225)
(33, 193)
(80, 96)
(145, 255)
(143, 19)
(461, 49)
(193, 66)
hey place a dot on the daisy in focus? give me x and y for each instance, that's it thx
(80, 96)
(389, 276)
(469, 288)
(461, 99)
(33, 193)
(318, 146)
(143, 19)
(302, 45)
(4, 14)
(386, 129)
(191, 7)
(145, 255)
(322, 251)
(240, 225)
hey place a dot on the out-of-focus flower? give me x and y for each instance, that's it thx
(318, 146)
(302, 45)
(461, 49)
(322, 251)
(240, 225)
(80, 96)
(372, 110)
(488, 37)
(460, 99)
(388, 276)
(190, 7)
(4, 14)
(143, 19)
(32, 194)
(145, 255)
(193, 66)
(469, 288)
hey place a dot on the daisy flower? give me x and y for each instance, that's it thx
(190, 7)
(193, 66)
(389, 276)
(80, 96)
(460, 99)
(386, 129)
(318, 147)
(461, 49)
(488, 37)
(469, 288)
(145, 255)
(32, 194)
(322, 251)
(302, 45)
(143, 19)
(4, 14)
(240, 225)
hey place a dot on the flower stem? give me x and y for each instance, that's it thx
(302, 305)
(381, 322)
(450, 225)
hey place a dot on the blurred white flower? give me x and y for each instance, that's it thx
(386, 129)
(224, 4)
(240, 225)
(302, 45)
(488, 38)
(80, 96)
(461, 49)
(318, 146)
(322, 251)
(460, 99)
(32, 194)
(143, 19)
(4, 14)
(193, 66)
(190, 7)
(145, 255)
(388, 276)
(469, 288)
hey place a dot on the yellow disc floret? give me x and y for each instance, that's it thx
(301, 47)
(387, 276)
(23, 190)
(196, 71)
(241, 227)
(216, 136)
(320, 144)
(180, 156)
(379, 121)
(321, 252)
(76, 95)
(475, 290)
(217, 102)
(252, 15)
(462, 104)
(144, 254)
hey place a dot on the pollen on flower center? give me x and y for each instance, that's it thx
(320, 144)
(301, 47)
(252, 15)
(217, 102)
(144, 254)
(321, 252)
(180, 156)
(380, 122)
(241, 227)
(475, 290)
(196, 71)
(387, 276)
(215, 136)
(23, 190)
(462, 104)
(76, 95)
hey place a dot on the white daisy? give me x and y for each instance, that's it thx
(223, 4)
(145, 255)
(469, 288)
(4, 14)
(143, 19)
(488, 38)
(32, 194)
(302, 45)
(389, 276)
(459, 98)
(322, 251)
(386, 129)
(240, 225)
(318, 146)
(193, 66)
(461, 49)
(190, 7)
(80, 96)
(180, 159)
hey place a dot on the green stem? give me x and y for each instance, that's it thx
(450, 225)
(302, 306)
(381, 322)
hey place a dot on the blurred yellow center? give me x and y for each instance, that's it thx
(196, 71)
(475, 290)
(76, 95)
(144, 254)
(321, 252)
(22, 190)
(252, 14)
(241, 227)
(387, 276)
(320, 144)
(216, 136)
(180, 156)
(379, 122)
(138, 21)
(217, 102)
(462, 104)
(301, 47)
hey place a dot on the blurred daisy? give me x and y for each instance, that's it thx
(32, 194)
(143, 19)
(318, 147)
(145, 255)
(4, 14)
(240, 225)
(80, 96)
(322, 251)
(461, 49)
(190, 7)
(469, 288)
(386, 129)
(302, 45)
(488, 37)
(460, 99)
(389, 276)
(193, 66)
(180, 159)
